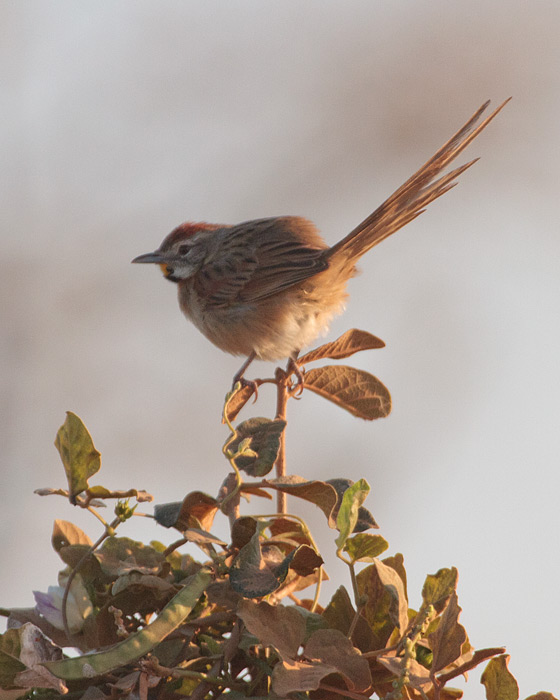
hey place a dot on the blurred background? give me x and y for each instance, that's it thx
(122, 119)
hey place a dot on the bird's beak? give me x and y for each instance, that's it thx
(154, 257)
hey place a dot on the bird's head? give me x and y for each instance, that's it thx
(181, 253)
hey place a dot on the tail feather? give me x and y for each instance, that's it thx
(412, 198)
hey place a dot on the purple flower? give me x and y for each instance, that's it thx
(78, 605)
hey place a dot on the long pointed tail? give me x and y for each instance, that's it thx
(412, 198)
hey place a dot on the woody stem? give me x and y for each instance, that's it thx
(281, 404)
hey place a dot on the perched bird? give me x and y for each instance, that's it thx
(267, 288)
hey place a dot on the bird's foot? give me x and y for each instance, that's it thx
(246, 384)
(295, 389)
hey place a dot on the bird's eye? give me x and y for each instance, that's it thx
(184, 249)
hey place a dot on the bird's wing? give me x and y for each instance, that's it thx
(257, 259)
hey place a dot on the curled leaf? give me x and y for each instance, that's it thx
(347, 516)
(358, 392)
(347, 344)
(258, 570)
(305, 561)
(197, 509)
(238, 400)
(263, 438)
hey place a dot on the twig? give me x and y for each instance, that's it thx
(281, 403)
(478, 657)
(109, 530)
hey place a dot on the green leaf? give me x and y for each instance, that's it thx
(80, 458)
(138, 644)
(498, 681)
(365, 547)
(10, 665)
(386, 605)
(439, 587)
(347, 516)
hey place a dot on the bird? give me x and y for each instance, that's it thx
(267, 288)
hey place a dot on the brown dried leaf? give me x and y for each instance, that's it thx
(417, 674)
(277, 626)
(249, 490)
(196, 510)
(230, 493)
(293, 676)
(542, 696)
(121, 555)
(339, 615)
(358, 392)
(320, 493)
(305, 561)
(238, 400)
(36, 648)
(396, 562)
(51, 492)
(102, 492)
(283, 529)
(448, 639)
(202, 537)
(146, 581)
(333, 648)
(198, 507)
(65, 533)
(242, 530)
(39, 677)
(350, 342)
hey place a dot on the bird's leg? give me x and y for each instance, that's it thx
(293, 368)
(238, 377)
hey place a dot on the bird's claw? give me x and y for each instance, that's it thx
(295, 389)
(248, 383)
